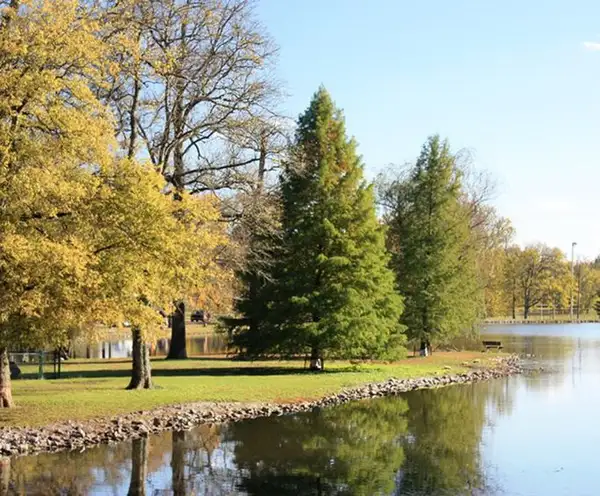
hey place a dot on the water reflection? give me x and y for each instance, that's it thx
(363, 448)
(90, 472)
(139, 467)
(506, 436)
(209, 344)
(442, 451)
(354, 449)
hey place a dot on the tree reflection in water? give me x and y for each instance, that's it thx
(443, 447)
(353, 449)
(139, 467)
(71, 473)
(4, 476)
(178, 463)
(423, 442)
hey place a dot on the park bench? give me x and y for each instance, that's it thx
(492, 344)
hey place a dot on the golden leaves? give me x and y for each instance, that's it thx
(85, 236)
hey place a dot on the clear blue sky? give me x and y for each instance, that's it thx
(511, 80)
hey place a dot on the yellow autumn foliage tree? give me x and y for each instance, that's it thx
(150, 248)
(86, 237)
(52, 132)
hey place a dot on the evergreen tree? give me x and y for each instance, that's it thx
(261, 237)
(333, 293)
(430, 236)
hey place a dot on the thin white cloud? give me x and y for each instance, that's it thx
(594, 46)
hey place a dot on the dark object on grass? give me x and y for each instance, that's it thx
(492, 344)
(15, 371)
(201, 316)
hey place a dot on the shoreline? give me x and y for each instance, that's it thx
(80, 435)
(535, 322)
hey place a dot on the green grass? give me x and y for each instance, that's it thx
(95, 388)
(195, 329)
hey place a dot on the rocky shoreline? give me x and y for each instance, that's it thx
(20, 441)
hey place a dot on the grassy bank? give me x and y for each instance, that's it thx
(95, 388)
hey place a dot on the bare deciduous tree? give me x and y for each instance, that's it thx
(195, 94)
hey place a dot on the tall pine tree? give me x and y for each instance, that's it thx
(430, 238)
(333, 293)
(261, 235)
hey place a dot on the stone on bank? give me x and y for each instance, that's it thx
(19, 441)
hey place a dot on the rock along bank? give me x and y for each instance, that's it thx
(19, 441)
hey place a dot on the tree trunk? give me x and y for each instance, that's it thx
(6, 400)
(578, 291)
(141, 377)
(514, 304)
(178, 463)
(178, 348)
(526, 305)
(4, 476)
(139, 467)
(133, 115)
(316, 359)
(262, 161)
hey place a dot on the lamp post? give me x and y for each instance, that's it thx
(573, 244)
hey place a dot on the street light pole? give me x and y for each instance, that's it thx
(572, 275)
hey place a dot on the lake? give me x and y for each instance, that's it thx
(526, 435)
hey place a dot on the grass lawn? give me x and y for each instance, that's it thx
(195, 329)
(95, 388)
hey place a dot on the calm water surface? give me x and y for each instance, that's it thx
(531, 435)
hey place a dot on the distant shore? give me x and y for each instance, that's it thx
(544, 321)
